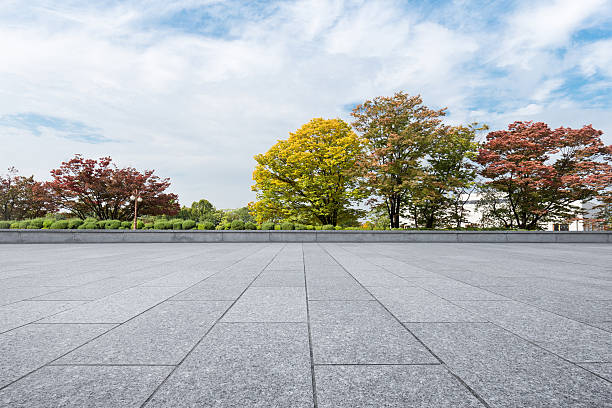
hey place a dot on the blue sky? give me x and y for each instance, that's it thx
(194, 89)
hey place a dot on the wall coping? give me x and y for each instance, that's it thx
(24, 236)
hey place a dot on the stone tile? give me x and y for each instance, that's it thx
(91, 387)
(12, 295)
(281, 278)
(362, 333)
(414, 304)
(213, 290)
(29, 347)
(342, 288)
(90, 291)
(450, 289)
(243, 365)
(390, 386)
(116, 308)
(506, 370)
(162, 335)
(568, 338)
(274, 304)
(182, 278)
(24, 312)
(602, 369)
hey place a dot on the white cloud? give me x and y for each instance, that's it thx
(198, 107)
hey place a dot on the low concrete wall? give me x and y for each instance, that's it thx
(151, 236)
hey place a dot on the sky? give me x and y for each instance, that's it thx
(195, 88)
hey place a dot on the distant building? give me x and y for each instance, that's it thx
(587, 221)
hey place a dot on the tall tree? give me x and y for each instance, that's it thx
(311, 174)
(399, 130)
(540, 172)
(23, 197)
(448, 172)
(90, 187)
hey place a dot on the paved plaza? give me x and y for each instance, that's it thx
(306, 325)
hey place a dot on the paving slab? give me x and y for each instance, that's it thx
(265, 304)
(415, 304)
(243, 365)
(30, 347)
(24, 312)
(506, 370)
(91, 387)
(568, 338)
(362, 332)
(390, 386)
(116, 308)
(525, 325)
(161, 335)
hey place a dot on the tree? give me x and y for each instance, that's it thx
(540, 172)
(399, 130)
(89, 187)
(201, 210)
(23, 197)
(312, 175)
(447, 174)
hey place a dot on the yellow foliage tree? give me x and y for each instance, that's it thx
(312, 176)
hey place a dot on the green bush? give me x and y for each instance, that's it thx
(112, 224)
(287, 226)
(36, 223)
(237, 225)
(224, 226)
(5, 224)
(127, 224)
(160, 224)
(339, 228)
(140, 224)
(24, 224)
(88, 225)
(328, 227)
(14, 225)
(149, 225)
(206, 225)
(101, 224)
(250, 226)
(74, 223)
(189, 224)
(267, 226)
(60, 224)
(310, 227)
(177, 224)
(300, 227)
(47, 222)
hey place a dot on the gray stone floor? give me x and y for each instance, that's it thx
(303, 325)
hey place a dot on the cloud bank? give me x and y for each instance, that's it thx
(195, 88)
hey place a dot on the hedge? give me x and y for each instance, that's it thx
(60, 224)
(237, 225)
(267, 226)
(74, 223)
(287, 226)
(5, 224)
(250, 226)
(188, 224)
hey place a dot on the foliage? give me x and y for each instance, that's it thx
(237, 225)
(328, 227)
(188, 224)
(447, 173)
(201, 210)
(250, 226)
(206, 225)
(287, 225)
(74, 223)
(112, 224)
(23, 197)
(399, 131)
(267, 226)
(300, 227)
(310, 175)
(60, 224)
(5, 224)
(89, 187)
(539, 172)
(177, 224)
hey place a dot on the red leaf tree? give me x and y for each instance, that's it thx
(538, 172)
(23, 197)
(98, 188)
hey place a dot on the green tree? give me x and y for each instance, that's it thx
(447, 173)
(399, 131)
(310, 175)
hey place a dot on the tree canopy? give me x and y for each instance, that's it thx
(539, 172)
(311, 175)
(98, 188)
